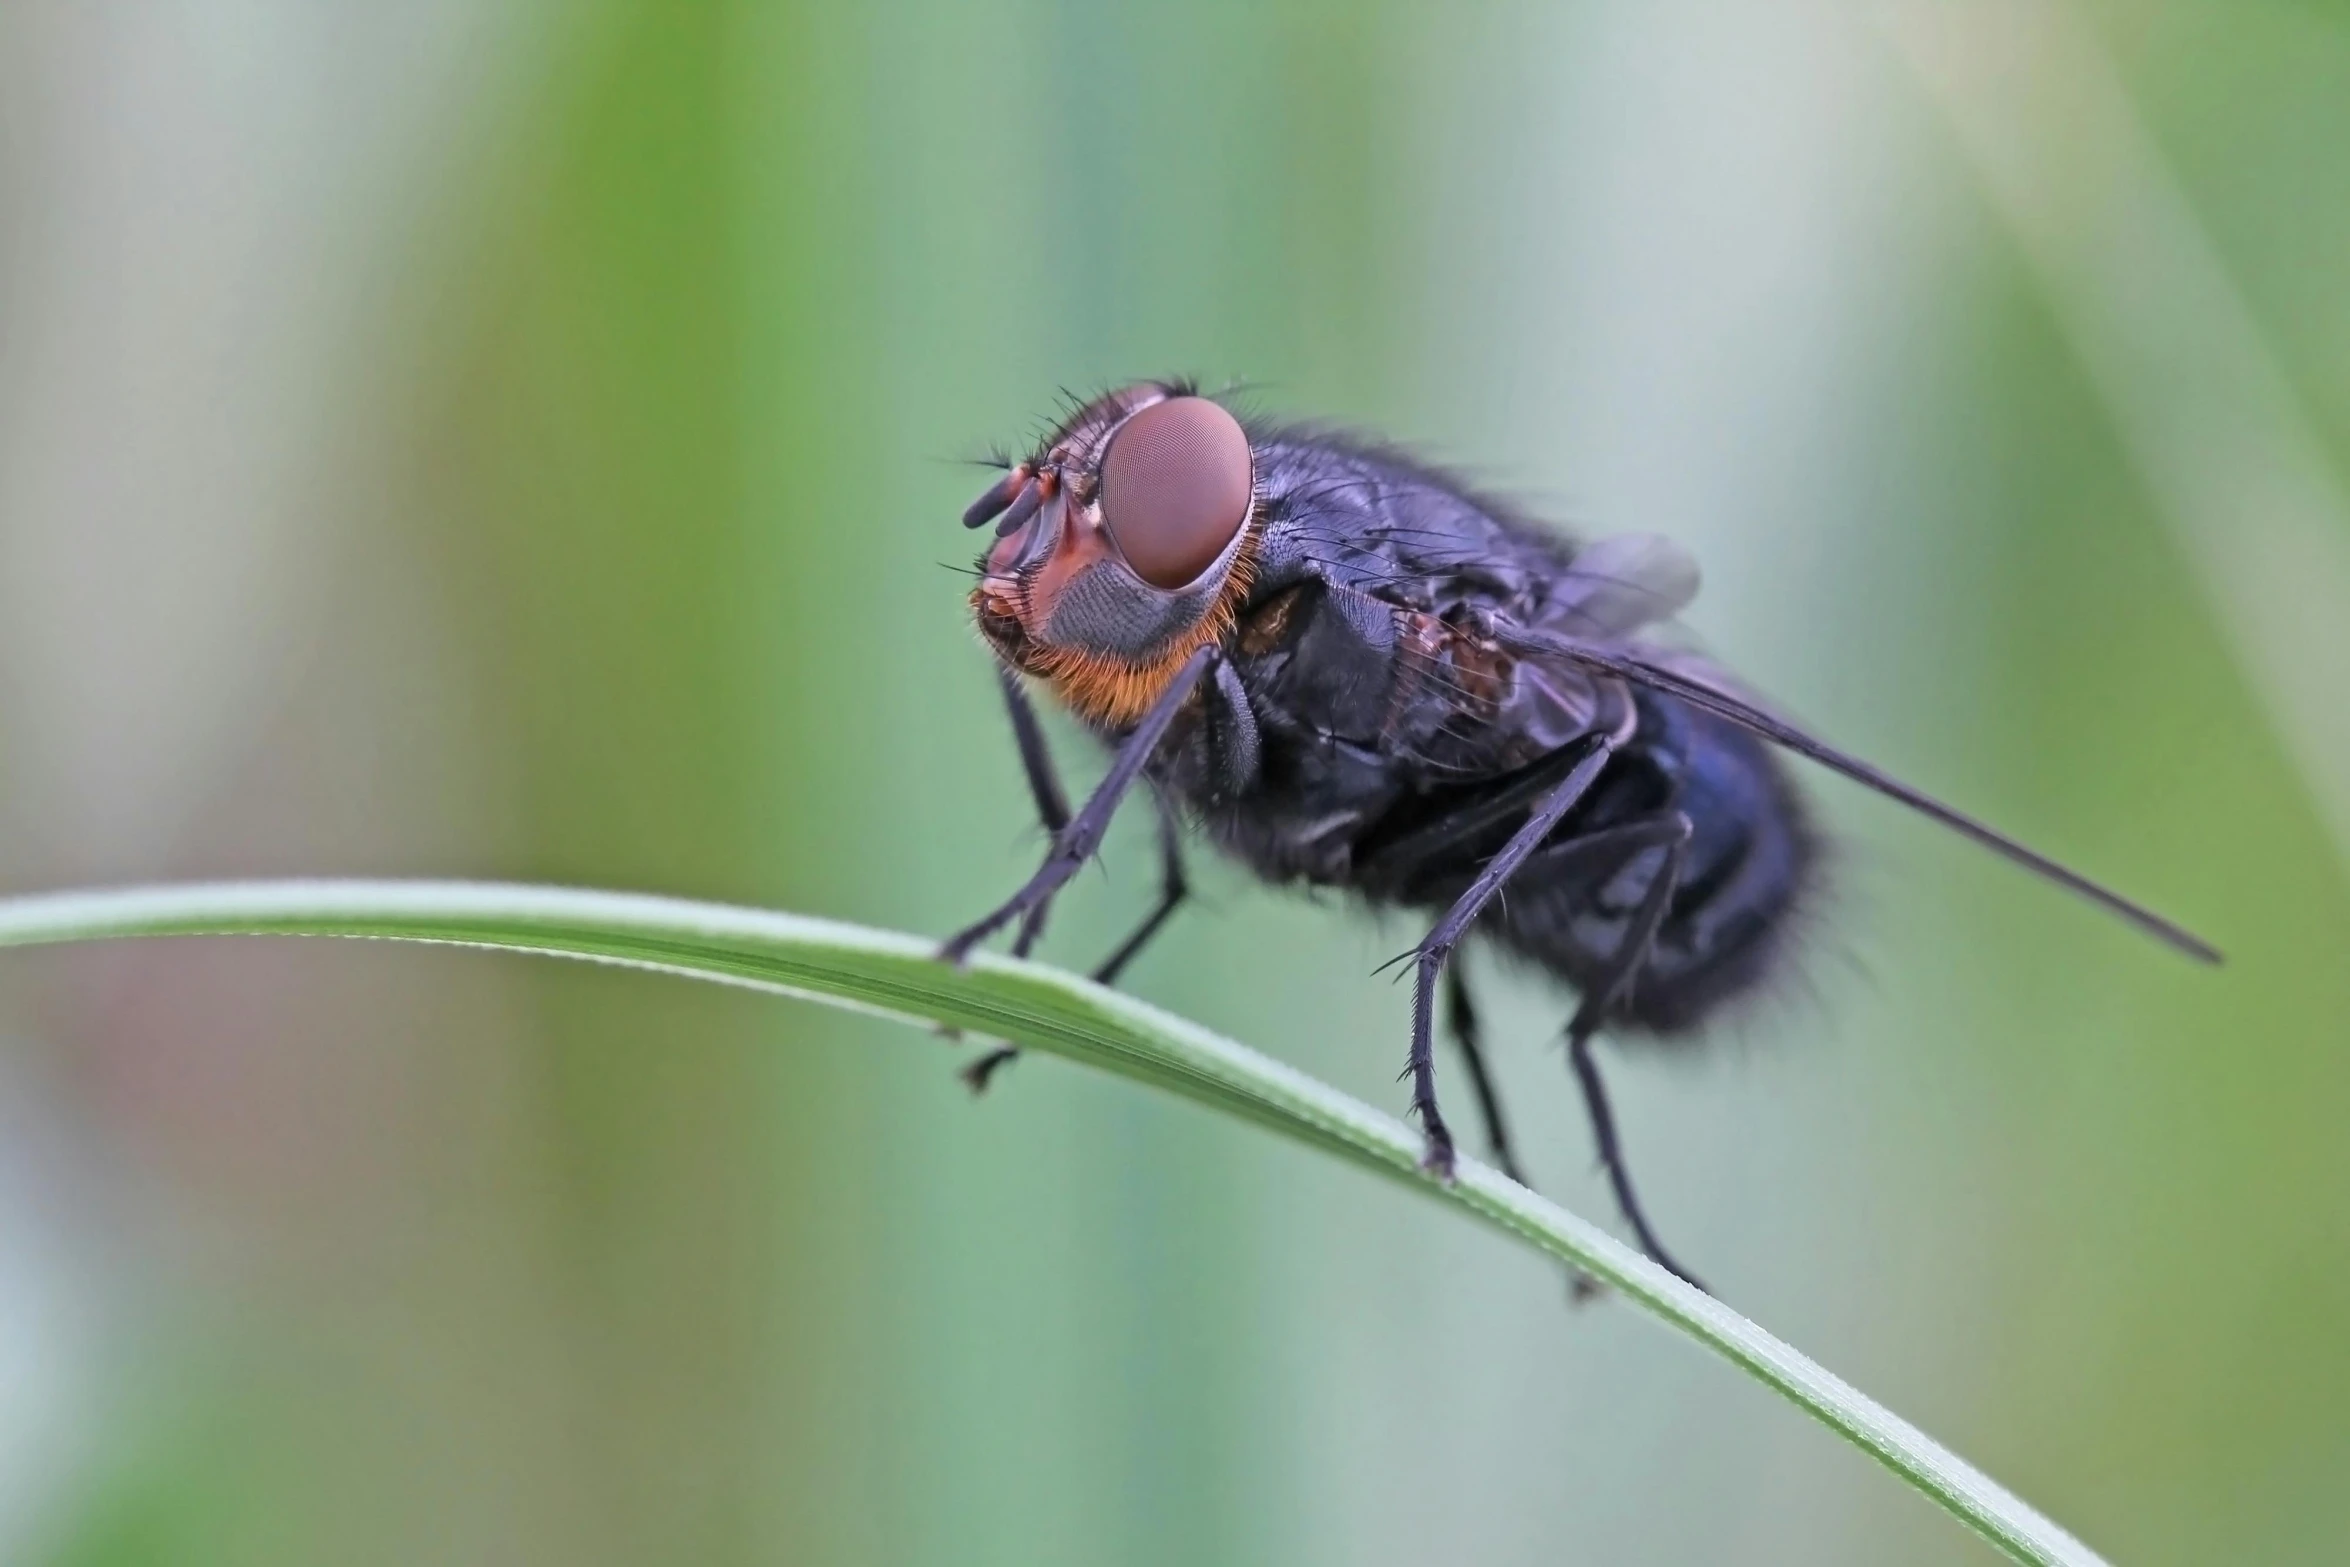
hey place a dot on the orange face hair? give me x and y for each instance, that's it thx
(1112, 689)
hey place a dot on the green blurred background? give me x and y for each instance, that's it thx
(523, 441)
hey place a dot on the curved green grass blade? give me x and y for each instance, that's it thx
(1044, 1009)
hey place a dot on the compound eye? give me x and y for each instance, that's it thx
(1176, 484)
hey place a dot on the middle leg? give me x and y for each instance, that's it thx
(1174, 887)
(1461, 1013)
(1430, 956)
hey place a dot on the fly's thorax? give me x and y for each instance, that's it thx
(1124, 545)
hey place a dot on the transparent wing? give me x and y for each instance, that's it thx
(1615, 586)
(1701, 687)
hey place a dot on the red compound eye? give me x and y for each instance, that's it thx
(1176, 484)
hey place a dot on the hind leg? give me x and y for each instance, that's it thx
(1461, 1015)
(1671, 833)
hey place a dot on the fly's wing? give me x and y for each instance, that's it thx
(1465, 706)
(1615, 586)
(1693, 683)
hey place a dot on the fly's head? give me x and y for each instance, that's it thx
(1123, 544)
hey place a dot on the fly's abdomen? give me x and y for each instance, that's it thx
(1752, 866)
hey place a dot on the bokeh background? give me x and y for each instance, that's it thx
(525, 440)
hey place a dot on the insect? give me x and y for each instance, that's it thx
(1348, 669)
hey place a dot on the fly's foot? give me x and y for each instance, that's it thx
(1029, 906)
(981, 1072)
(957, 949)
(1439, 1158)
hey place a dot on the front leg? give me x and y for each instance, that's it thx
(1173, 888)
(1052, 809)
(1036, 758)
(1076, 842)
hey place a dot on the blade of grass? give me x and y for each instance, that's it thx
(1044, 1009)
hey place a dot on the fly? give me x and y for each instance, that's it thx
(1348, 669)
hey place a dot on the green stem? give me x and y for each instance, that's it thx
(1045, 1009)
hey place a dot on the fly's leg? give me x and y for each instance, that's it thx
(1461, 1013)
(1173, 888)
(1036, 759)
(1671, 833)
(1429, 957)
(1396, 862)
(1052, 809)
(1077, 839)
(981, 1072)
